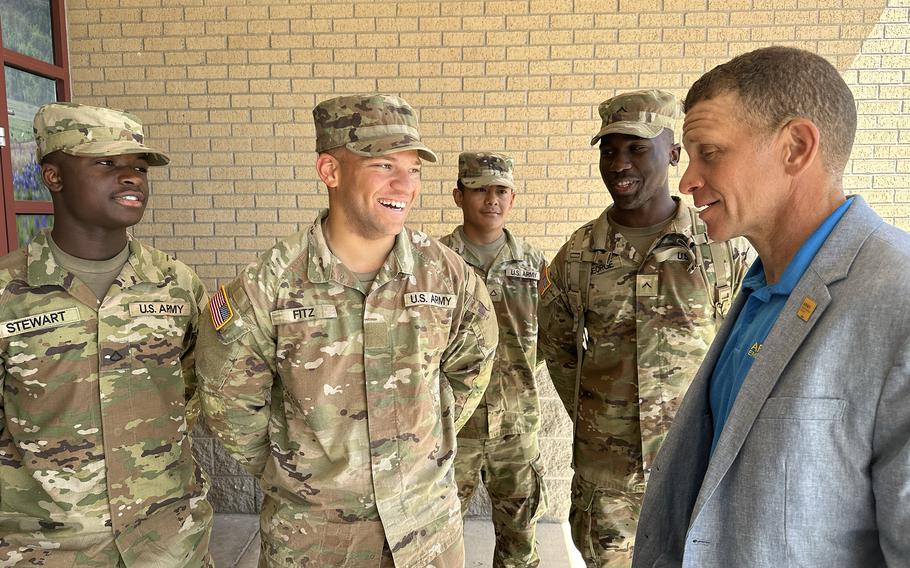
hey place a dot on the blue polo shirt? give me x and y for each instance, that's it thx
(763, 305)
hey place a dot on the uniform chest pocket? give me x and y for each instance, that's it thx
(156, 337)
(430, 325)
(798, 408)
(314, 338)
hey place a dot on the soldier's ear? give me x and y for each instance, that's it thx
(457, 195)
(328, 168)
(52, 176)
(674, 154)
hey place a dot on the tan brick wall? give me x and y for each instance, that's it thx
(227, 86)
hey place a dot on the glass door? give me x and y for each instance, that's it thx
(35, 72)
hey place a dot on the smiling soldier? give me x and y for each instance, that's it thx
(632, 303)
(499, 443)
(96, 339)
(339, 367)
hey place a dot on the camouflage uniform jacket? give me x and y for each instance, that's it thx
(94, 446)
(510, 405)
(346, 402)
(650, 320)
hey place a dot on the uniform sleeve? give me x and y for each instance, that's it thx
(236, 368)
(541, 286)
(468, 359)
(555, 336)
(890, 468)
(188, 358)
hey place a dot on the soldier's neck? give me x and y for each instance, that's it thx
(481, 236)
(354, 251)
(94, 243)
(658, 209)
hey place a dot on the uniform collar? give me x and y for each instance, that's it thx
(604, 236)
(513, 249)
(42, 268)
(324, 266)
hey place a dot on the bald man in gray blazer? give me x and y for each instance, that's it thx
(792, 446)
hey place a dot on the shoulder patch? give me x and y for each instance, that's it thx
(544, 283)
(220, 307)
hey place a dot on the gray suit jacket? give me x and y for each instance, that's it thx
(812, 468)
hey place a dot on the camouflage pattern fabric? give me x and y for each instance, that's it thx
(650, 321)
(643, 113)
(368, 125)
(512, 471)
(453, 557)
(603, 523)
(83, 130)
(345, 402)
(499, 442)
(482, 169)
(510, 404)
(98, 402)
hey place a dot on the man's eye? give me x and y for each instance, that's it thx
(105, 162)
(142, 169)
(639, 149)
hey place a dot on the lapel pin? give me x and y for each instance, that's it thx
(805, 310)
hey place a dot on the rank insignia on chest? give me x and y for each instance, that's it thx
(805, 310)
(220, 306)
(646, 285)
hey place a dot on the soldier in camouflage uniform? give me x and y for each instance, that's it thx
(96, 338)
(498, 445)
(339, 367)
(631, 304)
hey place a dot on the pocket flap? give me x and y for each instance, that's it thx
(798, 408)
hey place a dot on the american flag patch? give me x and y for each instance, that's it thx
(221, 310)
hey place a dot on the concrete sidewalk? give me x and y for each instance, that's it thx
(235, 543)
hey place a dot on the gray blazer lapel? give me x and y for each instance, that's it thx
(831, 264)
(784, 340)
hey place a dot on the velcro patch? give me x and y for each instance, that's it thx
(221, 309)
(44, 320)
(430, 299)
(304, 313)
(646, 285)
(523, 273)
(159, 309)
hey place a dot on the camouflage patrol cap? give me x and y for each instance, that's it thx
(368, 125)
(480, 169)
(638, 113)
(82, 130)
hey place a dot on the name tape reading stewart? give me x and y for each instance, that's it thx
(429, 299)
(39, 321)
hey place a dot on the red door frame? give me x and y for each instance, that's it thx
(59, 72)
